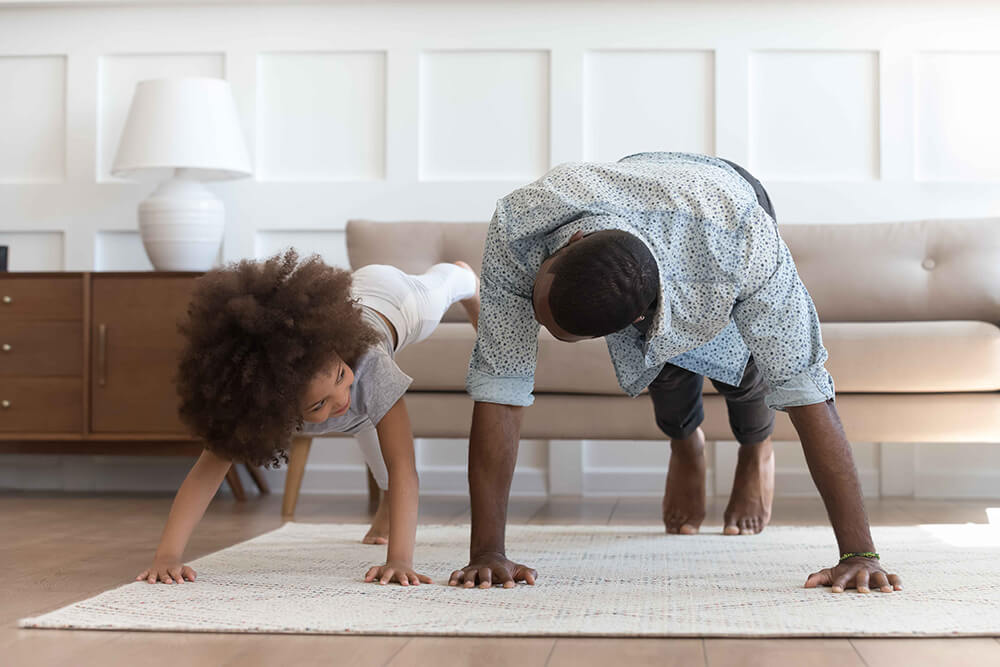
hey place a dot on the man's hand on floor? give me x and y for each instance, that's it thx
(489, 569)
(863, 574)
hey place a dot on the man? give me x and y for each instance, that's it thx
(672, 258)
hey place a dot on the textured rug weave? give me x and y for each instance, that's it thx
(593, 580)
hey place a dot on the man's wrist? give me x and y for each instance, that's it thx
(869, 548)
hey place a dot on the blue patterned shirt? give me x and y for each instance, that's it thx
(728, 285)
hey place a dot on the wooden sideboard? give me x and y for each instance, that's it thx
(87, 364)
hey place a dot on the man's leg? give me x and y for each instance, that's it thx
(676, 395)
(749, 508)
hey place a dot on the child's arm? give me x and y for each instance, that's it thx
(189, 506)
(395, 437)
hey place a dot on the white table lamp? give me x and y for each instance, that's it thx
(186, 131)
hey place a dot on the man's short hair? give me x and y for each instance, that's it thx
(602, 283)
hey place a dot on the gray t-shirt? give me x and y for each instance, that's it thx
(378, 384)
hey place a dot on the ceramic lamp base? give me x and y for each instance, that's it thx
(181, 225)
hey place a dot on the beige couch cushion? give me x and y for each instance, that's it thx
(900, 271)
(932, 418)
(884, 272)
(887, 357)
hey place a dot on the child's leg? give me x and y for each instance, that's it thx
(472, 303)
(436, 290)
(367, 440)
(415, 304)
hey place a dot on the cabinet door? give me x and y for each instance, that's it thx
(135, 347)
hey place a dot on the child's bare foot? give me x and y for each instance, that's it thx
(684, 498)
(376, 536)
(379, 532)
(471, 304)
(749, 508)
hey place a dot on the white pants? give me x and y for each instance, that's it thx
(414, 305)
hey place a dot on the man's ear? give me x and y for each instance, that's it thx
(576, 237)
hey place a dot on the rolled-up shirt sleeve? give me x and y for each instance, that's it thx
(777, 319)
(502, 366)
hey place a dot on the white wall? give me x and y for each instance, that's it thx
(848, 112)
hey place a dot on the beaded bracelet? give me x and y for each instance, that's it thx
(862, 554)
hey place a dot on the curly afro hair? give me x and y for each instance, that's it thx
(256, 333)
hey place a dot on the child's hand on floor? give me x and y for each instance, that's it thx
(394, 571)
(167, 570)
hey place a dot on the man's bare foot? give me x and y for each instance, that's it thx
(749, 508)
(379, 532)
(684, 498)
(471, 304)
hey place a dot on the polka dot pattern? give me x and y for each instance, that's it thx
(728, 285)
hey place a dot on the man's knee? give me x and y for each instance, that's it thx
(754, 428)
(678, 425)
(676, 396)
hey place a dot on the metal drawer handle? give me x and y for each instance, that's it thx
(7, 299)
(6, 347)
(4, 404)
(102, 354)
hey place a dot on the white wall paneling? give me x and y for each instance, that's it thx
(956, 471)
(849, 112)
(443, 466)
(639, 101)
(814, 115)
(32, 119)
(484, 115)
(621, 467)
(321, 116)
(33, 251)
(328, 244)
(957, 104)
(896, 467)
(120, 251)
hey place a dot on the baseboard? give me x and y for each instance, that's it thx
(434, 480)
(788, 482)
(630, 482)
(957, 484)
(454, 481)
(798, 483)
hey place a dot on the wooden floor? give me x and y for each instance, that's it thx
(58, 549)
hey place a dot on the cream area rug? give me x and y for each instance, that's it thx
(593, 580)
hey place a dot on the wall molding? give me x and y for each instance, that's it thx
(85, 221)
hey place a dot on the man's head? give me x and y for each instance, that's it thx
(595, 285)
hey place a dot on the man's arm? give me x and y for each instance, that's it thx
(831, 464)
(777, 319)
(493, 444)
(501, 377)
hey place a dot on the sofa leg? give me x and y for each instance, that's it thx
(374, 493)
(233, 477)
(293, 480)
(258, 478)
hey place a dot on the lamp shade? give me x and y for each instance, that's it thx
(188, 124)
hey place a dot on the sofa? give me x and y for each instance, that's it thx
(909, 314)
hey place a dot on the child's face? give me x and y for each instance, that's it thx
(329, 393)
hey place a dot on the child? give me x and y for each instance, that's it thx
(282, 345)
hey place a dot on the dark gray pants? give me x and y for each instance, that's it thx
(676, 392)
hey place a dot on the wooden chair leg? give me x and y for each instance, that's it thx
(233, 477)
(258, 479)
(293, 480)
(374, 493)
